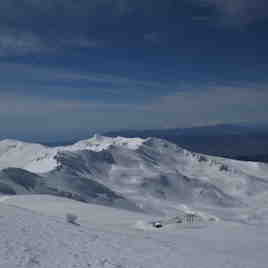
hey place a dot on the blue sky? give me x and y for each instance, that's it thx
(69, 68)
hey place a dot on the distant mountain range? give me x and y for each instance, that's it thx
(150, 175)
(240, 142)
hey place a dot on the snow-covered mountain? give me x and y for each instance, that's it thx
(151, 174)
(39, 158)
(154, 181)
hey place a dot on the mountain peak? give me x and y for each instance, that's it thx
(99, 143)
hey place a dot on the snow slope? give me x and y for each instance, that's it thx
(151, 175)
(34, 233)
(38, 158)
(138, 182)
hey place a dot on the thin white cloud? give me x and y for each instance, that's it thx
(45, 116)
(73, 23)
(29, 26)
(239, 11)
(213, 105)
(153, 37)
(19, 43)
(110, 83)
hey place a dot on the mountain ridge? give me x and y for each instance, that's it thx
(151, 175)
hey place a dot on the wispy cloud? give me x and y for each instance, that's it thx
(32, 27)
(19, 43)
(46, 116)
(153, 37)
(42, 26)
(221, 104)
(239, 11)
(53, 81)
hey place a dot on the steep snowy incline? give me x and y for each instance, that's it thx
(235, 178)
(22, 154)
(159, 172)
(40, 159)
(15, 181)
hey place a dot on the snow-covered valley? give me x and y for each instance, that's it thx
(126, 185)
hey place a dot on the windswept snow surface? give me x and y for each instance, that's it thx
(34, 233)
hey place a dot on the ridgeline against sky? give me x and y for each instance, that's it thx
(73, 67)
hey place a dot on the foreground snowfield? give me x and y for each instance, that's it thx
(34, 233)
